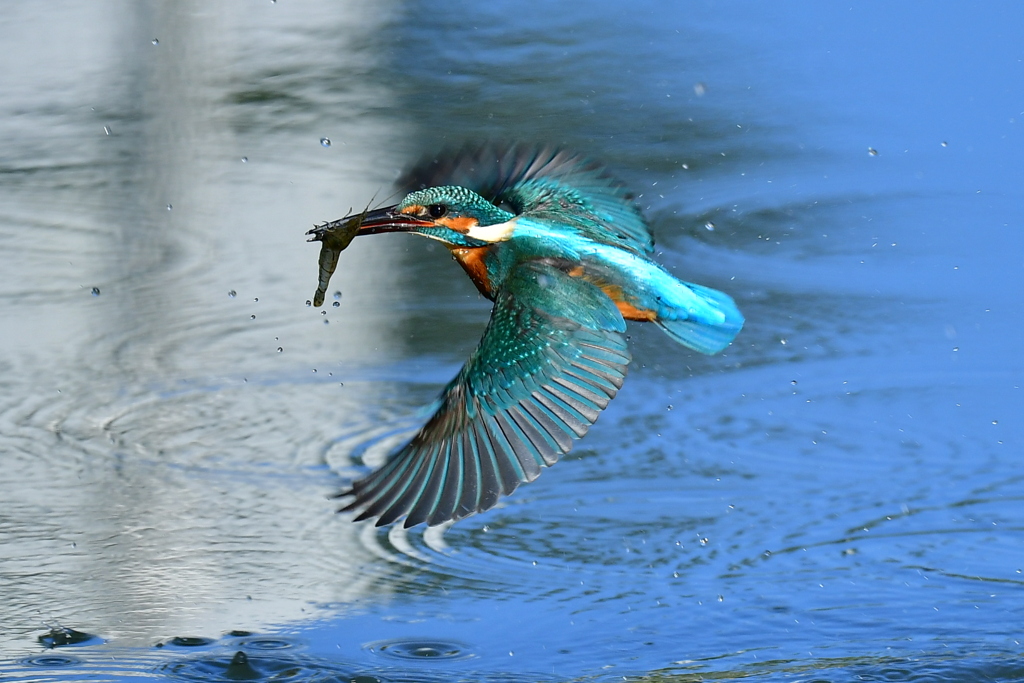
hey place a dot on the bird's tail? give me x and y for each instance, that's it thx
(708, 327)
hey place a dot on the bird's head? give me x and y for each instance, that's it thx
(451, 214)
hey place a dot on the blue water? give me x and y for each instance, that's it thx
(839, 496)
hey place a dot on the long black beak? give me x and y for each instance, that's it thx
(387, 220)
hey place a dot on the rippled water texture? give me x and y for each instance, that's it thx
(839, 496)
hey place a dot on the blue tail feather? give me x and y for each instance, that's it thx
(706, 333)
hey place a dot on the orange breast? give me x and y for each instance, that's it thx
(472, 261)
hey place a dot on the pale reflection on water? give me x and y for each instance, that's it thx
(837, 496)
(167, 460)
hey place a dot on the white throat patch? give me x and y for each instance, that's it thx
(499, 232)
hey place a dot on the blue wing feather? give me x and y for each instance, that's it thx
(537, 381)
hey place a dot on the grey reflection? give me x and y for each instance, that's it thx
(183, 457)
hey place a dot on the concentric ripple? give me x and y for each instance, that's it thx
(416, 650)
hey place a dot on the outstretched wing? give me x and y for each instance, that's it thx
(551, 358)
(544, 183)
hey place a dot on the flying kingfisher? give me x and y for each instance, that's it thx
(562, 250)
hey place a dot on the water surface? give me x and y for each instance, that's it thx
(838, 496)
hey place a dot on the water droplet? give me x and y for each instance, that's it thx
(314, 371)
(486, 528)
(872, 151)
(721, 598)
(252, 317)
(699, 89)
(59, 636)
(280, 349)
(190, 641)
(709, 225)
(323, 312)
(669, 407)
(95, 291)
(995, 422)
(232, 293)
(704, 541)
(245, 160)
(337, 295)
(325, 142)
(308, 303)
(945, 144)
(675, 575)
(156, 41)
(170, 206)
(326, 321)
(793, 382)
(956, 348)
(686, 167)
(336, 304)
(767, 553)
(782, 341)
(106, 130)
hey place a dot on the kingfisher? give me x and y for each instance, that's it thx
(564, 252)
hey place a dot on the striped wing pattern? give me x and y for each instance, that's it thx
(542, 182)
(551, 358)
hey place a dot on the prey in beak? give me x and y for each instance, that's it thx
(335, 237)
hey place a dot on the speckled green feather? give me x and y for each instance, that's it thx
(544, 183)
(551, 358)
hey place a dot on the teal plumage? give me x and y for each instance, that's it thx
(563, 251)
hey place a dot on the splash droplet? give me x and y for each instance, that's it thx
(710, 226)
(156, 41)
(337, 295)
(252, 317)
(336, 304)
(872, 151)
(245, 160)
(170, 206)
(280, 349)
(232, 293)
(700, 89)
(308, 303)
(95, 291)
(325, 142)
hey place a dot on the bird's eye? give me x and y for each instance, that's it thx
(437, 210)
